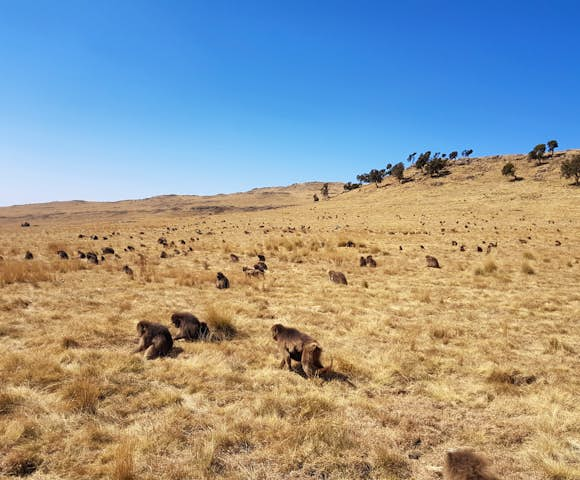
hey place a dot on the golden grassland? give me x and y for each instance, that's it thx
(483, 352)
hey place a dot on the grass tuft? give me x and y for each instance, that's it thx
(221, 323)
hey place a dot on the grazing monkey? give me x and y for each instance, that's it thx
(300, 347)
(371, 262)
(252, 272)
(261, 265)
(234, 258)
(337, 277)
(432, 261)
(190, 328)
(155, 339)
(261, 258)
(363, 262)
(222, 281)
(465, 464)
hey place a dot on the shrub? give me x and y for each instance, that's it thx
(376, 176)
(509, 170)
(398, 171)
(571, 168)
(350, 186)
(436, 166)
(423, 160)
(552, 145)
(467, 152)
(537, 153)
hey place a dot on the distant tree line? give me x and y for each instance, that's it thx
(433, 165)
(570, 167)
(537, 153)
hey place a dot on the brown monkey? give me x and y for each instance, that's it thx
(155, 339)
(222, 281)
(261, 266)
(371, 262)
(190, 328)
(363, 262)
(465, 464)
(300, 347)
(337, 277)
(252, 272)
(432, 261)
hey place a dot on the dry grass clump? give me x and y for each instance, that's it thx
(24, 271)
(54, 247)
(69, 342)
(220, 321)
(9, 402)
(443, 333)
(555, 345)
(527, 269)
(503, 377)
(123, 462)
(32, 368)
(147, 269)
(67, 266)
(391, 464)
(82, 395)
(20, 463)
(186, 278)
(488, 268)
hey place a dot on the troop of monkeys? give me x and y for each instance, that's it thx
(336, 277)
(156, 340)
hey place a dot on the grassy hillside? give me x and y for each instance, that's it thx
(167, 206)
(483, 352)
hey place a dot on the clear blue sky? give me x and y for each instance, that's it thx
(106, 100)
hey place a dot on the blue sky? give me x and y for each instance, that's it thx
(107, 100)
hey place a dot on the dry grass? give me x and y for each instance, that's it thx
(429, 359)
(220, 321)
(24, 271)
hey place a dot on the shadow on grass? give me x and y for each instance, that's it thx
(175, 352)
(329, 376)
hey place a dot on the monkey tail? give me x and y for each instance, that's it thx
(325, 371)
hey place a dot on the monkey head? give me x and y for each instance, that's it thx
(276, 329)
(142, 327)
